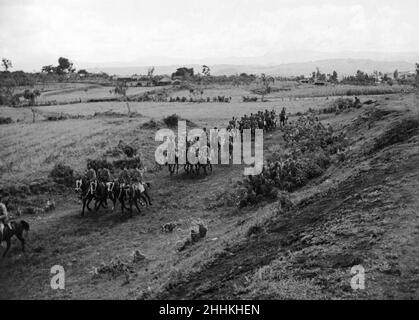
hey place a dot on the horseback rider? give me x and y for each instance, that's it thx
(91, 177)
(137, 179)
(91, 173)
(124, 177)
(104, 175)
(282, 116)
(4, 219)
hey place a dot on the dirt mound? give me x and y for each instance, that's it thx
(196, 235)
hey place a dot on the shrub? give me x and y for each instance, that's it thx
(62, 174)
(172, 121)
(99, 163)
(151, 124)
(5, 120)
(309, 145)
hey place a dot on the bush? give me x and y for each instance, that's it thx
(5, 120)
(97, 164)
(172, 121)
(310, 147)
(62, 174)
(151, 124)
(131, 163)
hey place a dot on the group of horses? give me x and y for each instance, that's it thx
(249, 99)
(222, 99)
(264, 120)
(193, 168)
(132, 194)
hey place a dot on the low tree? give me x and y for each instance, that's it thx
(83, 72)
(48, 69)
(265, 85)
(334, 77)
(31, 95)
(150, 75)
(7, 64)
(121, 89)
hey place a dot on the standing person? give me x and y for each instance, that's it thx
(282, 117)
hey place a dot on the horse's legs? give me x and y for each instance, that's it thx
(22, 241)
(121, 200)
(89, 199)
(104, 203)
(136, 204)
(7, 248)
(84, 205)
(147, 197)
(97, 206)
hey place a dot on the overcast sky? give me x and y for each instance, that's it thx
(36, 32)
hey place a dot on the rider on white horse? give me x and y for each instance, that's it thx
(4, 219)
(137, 179)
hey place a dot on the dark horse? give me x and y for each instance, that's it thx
(17, 230)
(136, 193)
(89, 191)
(130, 193)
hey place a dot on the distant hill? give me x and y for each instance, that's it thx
(342, 66)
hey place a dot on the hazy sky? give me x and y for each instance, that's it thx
(36, 32)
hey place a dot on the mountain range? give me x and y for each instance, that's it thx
(290, 63)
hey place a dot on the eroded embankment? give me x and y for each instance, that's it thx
(368, 218)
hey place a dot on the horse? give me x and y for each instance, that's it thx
(17, 230)
(118, 191)
(90, 190)
(115, 192)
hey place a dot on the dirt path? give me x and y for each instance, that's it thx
(81, 244)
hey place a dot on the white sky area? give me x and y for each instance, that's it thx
(36, 32)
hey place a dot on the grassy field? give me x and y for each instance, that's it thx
(288, 259)
(74, 92)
